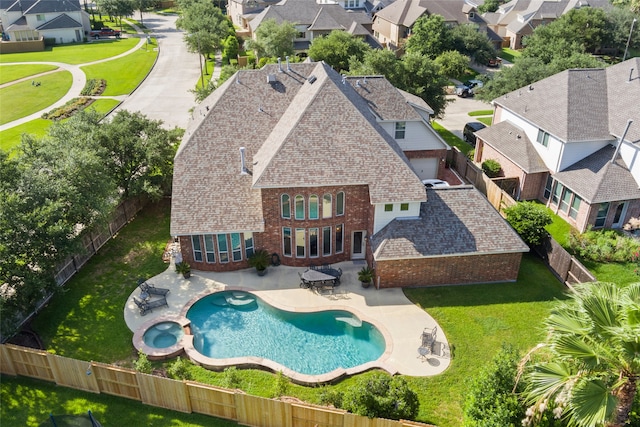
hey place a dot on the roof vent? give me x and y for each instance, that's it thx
(288, 65)
(364, 80)
(358, 83)
(312, 79)
(630, 73)
(344, 79)
(243, 166)
(271, 78)
(279, 64)
(238, 77)
(530, 88)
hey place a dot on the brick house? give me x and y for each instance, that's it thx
(572, 140)
(311, 165)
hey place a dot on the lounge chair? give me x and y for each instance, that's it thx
(147, 306)
(152, 290)
(428, 341)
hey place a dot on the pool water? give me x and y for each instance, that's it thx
(235, 324)
(163, 334)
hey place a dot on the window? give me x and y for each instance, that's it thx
(286, 241)
(236, 247)
(299, 207)
(575, 207)
(340, 203)
(388, 207)
(300, 242)
(339, 239)
(566, 200)
(543, 137)
(248, 244)
(313, 207)
(326, 206)
(286, 206)
(40, 18)
(301, 35)
(313, 242)
(400, 129)
(326, 241)
(548, 187)
(404, 206)
(223, 249)
(603, 211)
(209, 248)
(197, 249)
(557, 192)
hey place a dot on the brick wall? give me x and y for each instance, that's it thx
(448, 270)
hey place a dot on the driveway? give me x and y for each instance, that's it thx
(164, 94)
(456, 114)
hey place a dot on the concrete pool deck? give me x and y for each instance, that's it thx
(401, 321)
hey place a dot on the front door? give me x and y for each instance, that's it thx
(618, 219)
(358, 244)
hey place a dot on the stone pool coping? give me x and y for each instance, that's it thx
(154, 353)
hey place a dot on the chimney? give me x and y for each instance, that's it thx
(243, 166)
(288, 66)
(279, 64)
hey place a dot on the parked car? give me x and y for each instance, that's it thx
(104, 32)
(494, 62)
(469, 132)
(474, 83)
(434, 183)
(464, 91)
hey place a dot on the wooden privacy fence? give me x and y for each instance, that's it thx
(561, 263)
(183, 396)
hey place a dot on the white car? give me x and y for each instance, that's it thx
(435, 183)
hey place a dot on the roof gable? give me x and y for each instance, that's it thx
(60, 21)
(513, 143)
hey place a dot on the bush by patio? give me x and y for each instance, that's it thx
(529, 220)
(603, 246)
(491, 168)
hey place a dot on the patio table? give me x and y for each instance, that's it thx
(318, 277)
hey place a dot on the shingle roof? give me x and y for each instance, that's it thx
(53, 6)
(296, 133)
(19, 25)
(595, 179)
(513, 143)
(623, 84)
(448, 226)
(407, 12)
(60, 21)
(376, 90)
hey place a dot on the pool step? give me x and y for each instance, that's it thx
(353, 321)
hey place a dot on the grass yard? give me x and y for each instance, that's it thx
(510, 54)
(9, 73)
(451, 138)
(33, 98)
(74, 53)
(123, 75)
(486, 120)
(481, 113)
(28, 402)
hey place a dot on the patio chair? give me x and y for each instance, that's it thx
(141, 305)
(152, 290)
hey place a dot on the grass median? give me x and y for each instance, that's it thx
(9, 73)
(74, 53)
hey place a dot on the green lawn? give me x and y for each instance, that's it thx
(27, 99)
(9, 73)
(451, 139)
(28, 402)
(486, 120)
(73, 53)
(481, 113)
(123, 75)
(510, 54)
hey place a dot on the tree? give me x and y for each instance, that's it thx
(273, 40)
(138, 153)
(117, 8)
(337, 48)
(452, 63)
(470, 41)
(379, 395)
(489, 6)
(143, 5)
(529, 220)
(592, 372)
(430, 36)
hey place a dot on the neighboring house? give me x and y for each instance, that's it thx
(314, 20)
(313, 167)
(392, 25)
(561, 138)
(27, 20)
(519, 18)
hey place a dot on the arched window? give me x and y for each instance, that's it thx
(313, 206)
(340, 203)
(327, 206)
(299, 207)
(286, 206)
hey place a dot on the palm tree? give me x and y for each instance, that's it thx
(594, 369)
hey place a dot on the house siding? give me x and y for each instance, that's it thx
(448, 270)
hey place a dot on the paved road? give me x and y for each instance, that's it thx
(456, 114)
(164, 95)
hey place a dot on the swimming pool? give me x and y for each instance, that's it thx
(234, 324)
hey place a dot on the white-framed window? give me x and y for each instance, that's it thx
(197, 248)
(285, 205)
(209, 248)
(340, 203)
(301, 242)
(404, 206)
(565, 201)
(339, 238)
(236, 247)
(548, 187)
(286, 241)
(313, 243)
(223, 248)
(401, 128)
(327, 206)
(543, 137)
(326, 241)
(557, 193)
(388, 207)
(248, 244)
(299, 207)
(575, 206)
(301, 35)
(313, 207)
(601, 217)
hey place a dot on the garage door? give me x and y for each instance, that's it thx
(426, 168)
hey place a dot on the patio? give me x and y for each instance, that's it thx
(401, 322)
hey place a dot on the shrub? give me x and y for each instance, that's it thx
(452, 63)
(231, 378)
(529, 220)
(491, 168)
(68, 109)
(94, 87)
(179, 369)
(329, 396)
(281, 385)
(49, 41)
(142, 364)
(603, 246)
(379, 395)
(471, 154)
